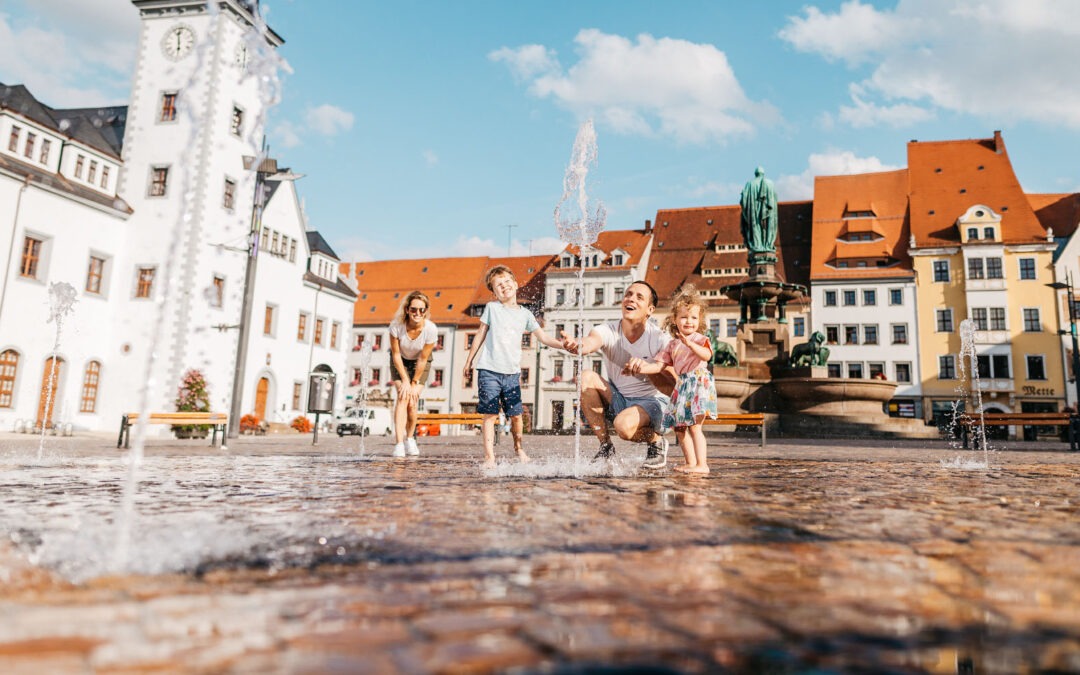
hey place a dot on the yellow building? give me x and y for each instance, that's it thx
(979, 252)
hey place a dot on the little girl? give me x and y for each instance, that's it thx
(695, 393)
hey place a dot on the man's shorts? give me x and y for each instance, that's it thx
(499, 391)
(653, 405)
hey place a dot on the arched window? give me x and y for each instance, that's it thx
(90, 387)
(9, 363)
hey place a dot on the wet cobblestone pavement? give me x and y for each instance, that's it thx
(275, 556)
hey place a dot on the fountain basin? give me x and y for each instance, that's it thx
(732, 387)
(834, 396)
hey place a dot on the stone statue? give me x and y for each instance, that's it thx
(724, 355)
(759, 214)
(813, 352)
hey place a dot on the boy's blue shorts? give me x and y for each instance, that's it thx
(499, 391)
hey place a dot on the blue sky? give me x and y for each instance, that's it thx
(429, 128)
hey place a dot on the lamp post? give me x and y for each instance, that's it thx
(1074, 419)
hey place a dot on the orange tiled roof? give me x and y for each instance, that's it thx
(1060, 212)
(633, 242)
(883, 194)
(529, 272)
(949, 177)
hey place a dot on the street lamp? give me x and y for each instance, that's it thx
(1074, 418)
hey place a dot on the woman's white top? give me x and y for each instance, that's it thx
(410, 348)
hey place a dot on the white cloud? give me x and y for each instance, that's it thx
(648, 86)
(430, 158)
(998, 60)
(328, 120)
(286, 134)
(831, 163)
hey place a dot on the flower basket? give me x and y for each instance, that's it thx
(301, 424)
(192, 395)
(250, 424)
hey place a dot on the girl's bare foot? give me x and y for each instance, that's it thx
(698, 469)
(685, 468)
(522, 457)
(489, 461)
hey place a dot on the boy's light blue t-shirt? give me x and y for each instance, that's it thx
(501, 351)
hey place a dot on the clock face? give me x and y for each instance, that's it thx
(178, 42)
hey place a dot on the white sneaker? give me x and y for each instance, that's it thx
(399, 450)
(410, 446)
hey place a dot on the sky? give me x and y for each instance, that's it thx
(428, 128)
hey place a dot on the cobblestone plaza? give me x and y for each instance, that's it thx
(277, 556)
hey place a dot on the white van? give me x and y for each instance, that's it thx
(378, 421)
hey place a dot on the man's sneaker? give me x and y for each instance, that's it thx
(607, 451)
(656, 457)
(410, 446)
(399, 450)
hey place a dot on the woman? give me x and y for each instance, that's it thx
(412, 339)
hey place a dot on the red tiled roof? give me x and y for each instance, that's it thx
(1060, 212)
(949, 177)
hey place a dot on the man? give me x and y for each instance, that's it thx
(630, 400)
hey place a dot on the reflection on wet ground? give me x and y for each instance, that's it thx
(278, 557)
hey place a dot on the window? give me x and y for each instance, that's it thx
(46, 146)
(944, 321)
(31, 257)
(1035, 369)
(997, 318)
(988, 233)
(319, 331)
(301, 327)
(941, 270)
(297, 392)
(359, 342)
(975, 268)
(335, 327)
(799, 326)
(875, 371)
(376, 376)
(28, 149)
(524, 376)
(617, 259)
(830, 298)
(618, 294)
(854, 370)
(376, 343)
(91, 175)
(732, 327)
(598, 296)
(834, 370)
(849, 298)
(268, 321)
(851, 335)
(274, 247)
(168, 107)
(993, 365)
(236, 124)
(978, 317)
(832, 334)
(869, 297)
(437, 379)
(292, 250)
(994, 269)
(947, 367)
(526, 341)
(217, 292)
(13, 140)
(1027, 268)
(560, 296)
(105, 176)
(440, 342)
(228, 197)
(265, 241)
(94, 271)
(144, 282)
(79, 162)
(1031, 320)
(159, 181)
(9, 364)
(899, 333)
(973, 233)
(903, 372)
(88, 402)
(870, 334)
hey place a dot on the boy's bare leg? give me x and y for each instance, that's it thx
(489, 439)
(516, 425)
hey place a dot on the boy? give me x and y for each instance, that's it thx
(499, 361)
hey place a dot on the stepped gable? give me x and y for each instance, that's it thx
(1060, 212)
(949, 177)
(846, 210)
(450, 283)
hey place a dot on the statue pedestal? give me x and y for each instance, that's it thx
(762, 346)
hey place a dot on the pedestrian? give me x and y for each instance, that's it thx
(694, 397)
(496, 349)
(633, 402)
(412, 339)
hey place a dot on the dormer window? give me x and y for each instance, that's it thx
(973, 233)
(859, 214)
(988, 233)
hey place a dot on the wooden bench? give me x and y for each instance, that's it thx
(968, 423)
(216, 420)
(740, 419)
(464, 419)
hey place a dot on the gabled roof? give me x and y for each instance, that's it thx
(685, 240)
(338, 285)
(1060, 212)
(528, 270)
(99, 128)
(316, 244)
(883, 194)
(949, 177)
(634, 242)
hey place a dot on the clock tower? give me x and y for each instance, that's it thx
(195, 121)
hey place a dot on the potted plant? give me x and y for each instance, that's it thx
(192, 396)
(250, 424)
(301, 424)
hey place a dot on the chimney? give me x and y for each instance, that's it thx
(999, 145)
(648, 226)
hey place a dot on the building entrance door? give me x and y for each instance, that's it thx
(261, 391)
(47, 402)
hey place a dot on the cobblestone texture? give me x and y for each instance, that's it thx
(276, 556)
